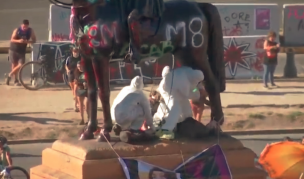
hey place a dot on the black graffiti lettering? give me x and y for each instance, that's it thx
(301, 25)
(238, 16)
(247, 17)
(227, 19)
(234, 15)
(241, 14)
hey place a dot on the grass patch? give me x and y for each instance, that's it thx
(257, 116)
(279, 115)
(251, 125)
(294, 115)
(52, 135)
(230, 114)
(239, 124)
(269, 113)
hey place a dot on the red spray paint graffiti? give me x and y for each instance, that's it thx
(259, 44)
(234, 31)
(296, 12)
(258, 62)
(60, 37)
(100, 35)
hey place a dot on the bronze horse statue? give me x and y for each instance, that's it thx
(103, 28)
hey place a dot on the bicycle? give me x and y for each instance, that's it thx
(44, 73)
(6, 172)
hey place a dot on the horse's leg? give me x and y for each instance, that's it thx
(101, 69)
(92, 93)
(215, 44)
(216, 56)
(212, 86)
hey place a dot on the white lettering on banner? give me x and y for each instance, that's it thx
(196, 42)
(179, 26)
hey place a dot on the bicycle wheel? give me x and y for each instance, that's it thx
(17, 173)
(32, 75)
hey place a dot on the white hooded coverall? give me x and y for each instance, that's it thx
(131, 108)
(183, 81)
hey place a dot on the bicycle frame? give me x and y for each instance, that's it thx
(51, 74)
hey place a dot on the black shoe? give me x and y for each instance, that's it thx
(117, 129)
(274, 85)
(266, 86)
(7, 80)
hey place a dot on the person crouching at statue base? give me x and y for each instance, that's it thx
(81, 92)
(154, 99)
(130, 111)
(198, 106)
(174, 114)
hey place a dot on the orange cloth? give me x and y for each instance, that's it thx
(283, 160)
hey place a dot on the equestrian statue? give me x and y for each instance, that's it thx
(135, 30)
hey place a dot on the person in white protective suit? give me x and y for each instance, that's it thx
(176, 88)
(131, 110)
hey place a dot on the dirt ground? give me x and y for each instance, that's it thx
(48, 113)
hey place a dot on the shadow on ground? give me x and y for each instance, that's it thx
(267, 93)
(20, 117)
(24, 155)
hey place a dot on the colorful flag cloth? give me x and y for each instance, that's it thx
(210, 163)
(136, 169)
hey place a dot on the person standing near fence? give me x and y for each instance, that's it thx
(271, 58)
(21, 36)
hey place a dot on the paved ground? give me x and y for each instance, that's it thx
(29, 155)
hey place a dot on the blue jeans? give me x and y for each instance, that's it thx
(268, 73)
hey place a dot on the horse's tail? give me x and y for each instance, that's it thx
(215, 44)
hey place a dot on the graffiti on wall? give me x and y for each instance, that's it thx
(248, 19)
(243, 56)
(243, 59)
(59, 37)
(237, 23)
(120, 72)
(59, 23)
(294, 25)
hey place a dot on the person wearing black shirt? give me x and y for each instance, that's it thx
(271, 58)
(71, 66)
(21, 36)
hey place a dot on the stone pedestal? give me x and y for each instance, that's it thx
(73, 159)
